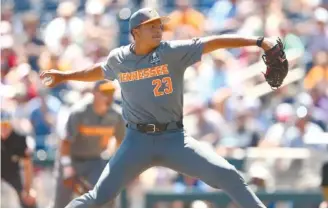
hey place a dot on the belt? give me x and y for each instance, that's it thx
(155, 127)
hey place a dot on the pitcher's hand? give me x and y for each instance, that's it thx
(52, 78)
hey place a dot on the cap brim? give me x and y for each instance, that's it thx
(164, 20)
(106, 87)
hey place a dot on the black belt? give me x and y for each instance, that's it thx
(156, 127)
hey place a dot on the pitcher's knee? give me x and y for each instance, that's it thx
(228, 177)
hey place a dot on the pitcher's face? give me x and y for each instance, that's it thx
(150, 33)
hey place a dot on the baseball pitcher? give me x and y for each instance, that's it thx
(150, 72)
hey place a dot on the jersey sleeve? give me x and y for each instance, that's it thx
(108, 66)
(186, 52)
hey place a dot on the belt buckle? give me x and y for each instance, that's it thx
(154, 128)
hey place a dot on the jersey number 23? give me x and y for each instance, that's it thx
(157, 83)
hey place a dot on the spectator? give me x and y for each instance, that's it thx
(284, 114)
(43, 119)
(209, 124)
(184, 183)
(50, 60)
(186, 15)
(71, 55)
(290, 37)
(318, 41)
(8, 55)
(318, 74)
(216, 74)
(320, 105)
(302, 133)
(66, 23)
(244, 132)
(8, 15)
(29, 79)
(316, 112)
(33, 43)
(99, 26)
(222, 17)
(14, 150)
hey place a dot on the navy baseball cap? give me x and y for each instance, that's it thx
(145, 15)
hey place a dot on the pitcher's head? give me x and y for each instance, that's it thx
(146, 26)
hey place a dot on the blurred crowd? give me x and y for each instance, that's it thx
(226, 104)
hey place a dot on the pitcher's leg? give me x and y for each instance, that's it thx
(193, 158)
(96, 168)
(132, 158)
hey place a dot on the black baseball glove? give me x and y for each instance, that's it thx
(277, 64)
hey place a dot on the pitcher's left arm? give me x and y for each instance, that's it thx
(212, 43)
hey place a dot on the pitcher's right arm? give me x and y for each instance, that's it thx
(52, 78)
(99, 71)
